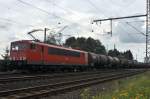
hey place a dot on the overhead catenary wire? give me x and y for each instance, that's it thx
(136, 29)
(33, 6)
(44, 11)
(139, 32)
(136, 21)
(21, 1)
(129, 34)
(48, 13)
(106, 18)
(40, 9)
(95, 7)
(66, 10)
(15, 22)
(118, 4)
(69, 10)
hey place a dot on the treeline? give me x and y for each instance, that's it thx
(127, 54)
(88, 44)
(95, 46)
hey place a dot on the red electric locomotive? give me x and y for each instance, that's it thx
(28, 53)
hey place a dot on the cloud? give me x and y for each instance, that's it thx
(129, 31)
(5, 25)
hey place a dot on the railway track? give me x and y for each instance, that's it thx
(49, 79)
(5, 74)
(61, 87)
(46, 76)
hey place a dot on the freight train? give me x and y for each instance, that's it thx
(32, 55)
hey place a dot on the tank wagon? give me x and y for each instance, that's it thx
(28, 54)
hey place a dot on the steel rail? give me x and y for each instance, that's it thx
(40, 91)
(23, 78)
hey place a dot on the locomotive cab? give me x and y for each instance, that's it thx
(18, 52)
(26, 52)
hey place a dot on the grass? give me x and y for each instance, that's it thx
(136, 87)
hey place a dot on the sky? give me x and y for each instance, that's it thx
(18, 17)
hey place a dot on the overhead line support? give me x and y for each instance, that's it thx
(117, 18)
(147, 15)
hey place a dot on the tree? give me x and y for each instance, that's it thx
(114, 53)
(100, 48)
(81, 43)
(70, 41)
(6, 54)
(5, 63)
(128, 55)
(88, 44)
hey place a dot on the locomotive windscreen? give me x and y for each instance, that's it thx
(18, 46)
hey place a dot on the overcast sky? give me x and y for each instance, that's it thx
(18, 17)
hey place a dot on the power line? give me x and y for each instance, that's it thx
(66, 10)
(34, 7)
(51, 13)
(136, 21)
(42, 10)
(12, 21)
(46, 11)
(117, 18)
(62, 8)
(58, 6)
(136, 29)
(99, 11)
(129, 34)
(94, 6)
(118, 4)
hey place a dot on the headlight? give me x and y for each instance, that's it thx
(24, 58)
(13, 58)
(10, 58)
